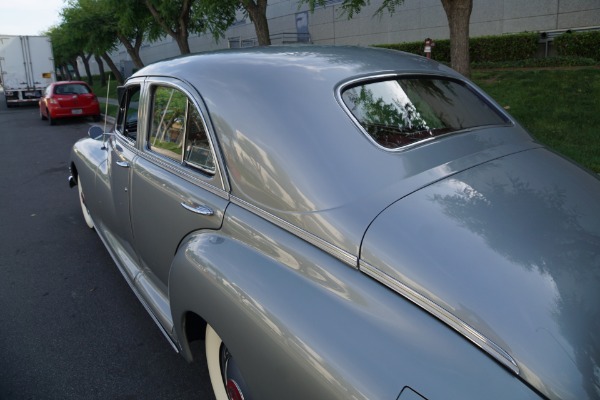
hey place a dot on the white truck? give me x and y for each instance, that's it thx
(26, 67)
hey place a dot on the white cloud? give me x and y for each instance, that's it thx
(29, 17)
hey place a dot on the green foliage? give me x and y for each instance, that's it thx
(481, 49)
(504, 47)
(540, 62)
(198, 16)
(352, 7)
(580, 44)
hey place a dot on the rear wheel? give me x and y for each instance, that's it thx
(50, 119)
(225, 376)
(84, 209)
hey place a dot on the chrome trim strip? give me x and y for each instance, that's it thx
(443, 315)
(171, 338)
(180, 171)
(327, 247)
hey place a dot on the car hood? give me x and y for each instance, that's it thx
(508, 254)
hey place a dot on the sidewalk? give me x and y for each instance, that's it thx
(103, 100)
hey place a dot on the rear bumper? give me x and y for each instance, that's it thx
(69, 112)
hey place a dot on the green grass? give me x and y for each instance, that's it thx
(559, 107)
(100, 91)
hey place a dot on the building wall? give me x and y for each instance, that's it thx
(413, 21)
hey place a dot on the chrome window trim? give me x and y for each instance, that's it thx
(460, 326)
(184, 168)
(340, 254)
(184, 172)
(381, 77)
(127, 142)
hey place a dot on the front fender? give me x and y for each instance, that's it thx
(302, 324)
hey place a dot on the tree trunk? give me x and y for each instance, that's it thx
(258, 15)
(101, 68)
(113, 68)
(66, 74)
(86, 64)
(76, 69)
(132, 51)
(459, 15)
(182, 42)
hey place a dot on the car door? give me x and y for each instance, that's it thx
(122, 151)
(177, 185)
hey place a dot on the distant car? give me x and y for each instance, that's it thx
(348, 223)
(68, 99)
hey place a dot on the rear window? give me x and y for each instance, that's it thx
(400, 112)
(72, 88)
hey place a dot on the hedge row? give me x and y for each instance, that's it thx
(581, 44)
(481, 49)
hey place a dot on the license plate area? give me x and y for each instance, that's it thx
(76, 111)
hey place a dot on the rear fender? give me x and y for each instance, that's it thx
(267, 294)
(301, 322)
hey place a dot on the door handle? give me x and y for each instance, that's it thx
(199, 209)
(124, 164)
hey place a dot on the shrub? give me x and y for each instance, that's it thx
(481, 49)
(580, 44)
(503, 48)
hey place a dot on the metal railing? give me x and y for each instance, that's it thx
(238, 42)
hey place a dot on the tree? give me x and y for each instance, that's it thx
(458, 13)
(134, 25)
(257, 11)
(179, 18)
(66, 49)
(94, 28)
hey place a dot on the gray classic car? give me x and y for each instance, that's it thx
(348, 223)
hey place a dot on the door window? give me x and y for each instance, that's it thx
(177, 130)
(127, 121)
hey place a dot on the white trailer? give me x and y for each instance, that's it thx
(26, 67)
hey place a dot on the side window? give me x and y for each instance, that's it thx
(127, 121)
(169, 108)
(197, 146)
(177, 130)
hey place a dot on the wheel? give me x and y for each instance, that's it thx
(50, 119)
(225, 376)
(84, 209)
(97, 118)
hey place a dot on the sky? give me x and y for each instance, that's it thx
(28, 17)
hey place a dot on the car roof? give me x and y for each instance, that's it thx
(70, 83)
(288, 144)
(338, 62)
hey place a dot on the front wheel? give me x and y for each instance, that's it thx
(225, 376)
(84, 209)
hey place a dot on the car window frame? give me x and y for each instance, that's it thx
(364, 80)
(217, 180)
(124, 107)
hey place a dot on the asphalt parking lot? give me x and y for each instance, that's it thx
(70, 326)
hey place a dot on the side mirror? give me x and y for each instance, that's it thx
(96, 132)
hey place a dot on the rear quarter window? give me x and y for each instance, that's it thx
(400, 112)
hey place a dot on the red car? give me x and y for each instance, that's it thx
(69, 99)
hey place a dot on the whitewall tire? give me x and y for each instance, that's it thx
(84, 209)
(213, 359)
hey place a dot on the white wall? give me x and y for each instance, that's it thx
(413, 21)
